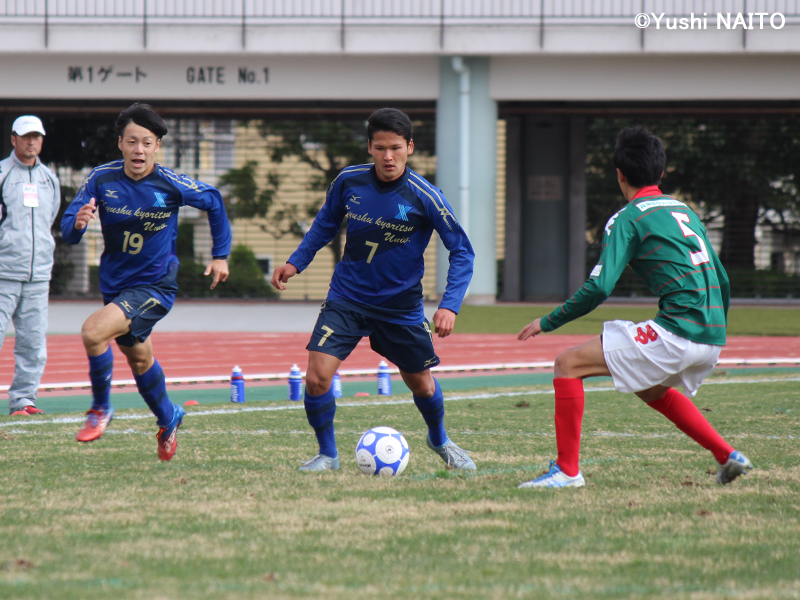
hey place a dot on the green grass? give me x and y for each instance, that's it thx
(230, 517)
(742, 320)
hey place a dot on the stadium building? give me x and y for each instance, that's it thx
(502, 93)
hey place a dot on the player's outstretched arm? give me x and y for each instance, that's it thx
(219, 267)
(530, 330)
(282, 274)
(443, 322)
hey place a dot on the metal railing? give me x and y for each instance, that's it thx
(353, 13)
(381, 9)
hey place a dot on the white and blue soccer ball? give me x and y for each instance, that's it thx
(382, 451)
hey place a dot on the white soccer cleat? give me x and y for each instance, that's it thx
(454, 457)
(737, 464)
(555, 478)
(320, 462)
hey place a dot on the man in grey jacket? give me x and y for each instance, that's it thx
(30, 196)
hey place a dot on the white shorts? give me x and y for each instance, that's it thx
(643, 355)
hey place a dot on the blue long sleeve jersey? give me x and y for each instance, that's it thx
(139, 220)
(388, 229)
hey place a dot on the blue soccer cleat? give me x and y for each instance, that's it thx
(166, 436)
(555, 478)
(737, 464)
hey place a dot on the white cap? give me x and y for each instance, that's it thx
(27, 124)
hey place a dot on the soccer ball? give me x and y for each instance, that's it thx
(382, 451)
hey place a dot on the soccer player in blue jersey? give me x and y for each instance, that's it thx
(376, 289)
(138, 201)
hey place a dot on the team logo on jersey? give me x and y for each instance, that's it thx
(112, 194)
(160, 197)
(150, 303)
(404, 210)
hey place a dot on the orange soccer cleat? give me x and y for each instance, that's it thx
(97, 419)
(166, 436)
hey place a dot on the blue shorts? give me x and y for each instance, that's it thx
(146, 305)
(340, 329)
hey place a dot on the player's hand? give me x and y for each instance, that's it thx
(530, 330)
(282, 274)
(443, 322)
(84, 215)
(219, 267)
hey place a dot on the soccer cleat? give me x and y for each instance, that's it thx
(555, 478)
(320, 462)
(30, 409)
(97, 419)
(167, 436)
(453, 456)
(737, 464)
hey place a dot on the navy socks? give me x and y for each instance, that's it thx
(153, 389)
(100, 370)
(320, 411)
(432, 410)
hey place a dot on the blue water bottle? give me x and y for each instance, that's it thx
(337, 385)
(295, 384)
(384, 380)
(237, 385)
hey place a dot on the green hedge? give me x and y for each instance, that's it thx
(246, 280)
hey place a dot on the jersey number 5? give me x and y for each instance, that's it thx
(698, 258)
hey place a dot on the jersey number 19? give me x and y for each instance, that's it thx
(132, 243)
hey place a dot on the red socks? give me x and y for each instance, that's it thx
(673, 405)
(569, 414)
(682, 411)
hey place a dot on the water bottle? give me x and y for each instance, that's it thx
(237, 385)
(384, 380)
(295, 384)
(337, 385)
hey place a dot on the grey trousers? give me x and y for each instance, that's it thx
(26, 305)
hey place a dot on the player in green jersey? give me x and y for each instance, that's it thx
(666, 244)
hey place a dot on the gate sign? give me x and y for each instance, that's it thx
(108, 76)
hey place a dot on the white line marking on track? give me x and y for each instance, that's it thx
(80, 385)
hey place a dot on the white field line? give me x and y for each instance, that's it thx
(82, 385)
(309, 433)
(299, 406)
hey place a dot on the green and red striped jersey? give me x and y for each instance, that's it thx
(666, 244)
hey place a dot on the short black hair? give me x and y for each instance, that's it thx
(640, 156)
(389, 119)
(144, 116)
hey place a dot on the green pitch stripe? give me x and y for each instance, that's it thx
(273, 393)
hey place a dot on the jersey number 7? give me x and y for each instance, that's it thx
(698, 258)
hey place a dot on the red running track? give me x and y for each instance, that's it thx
(214, 354)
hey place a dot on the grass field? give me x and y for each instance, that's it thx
(742, 320)
(230, 517)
